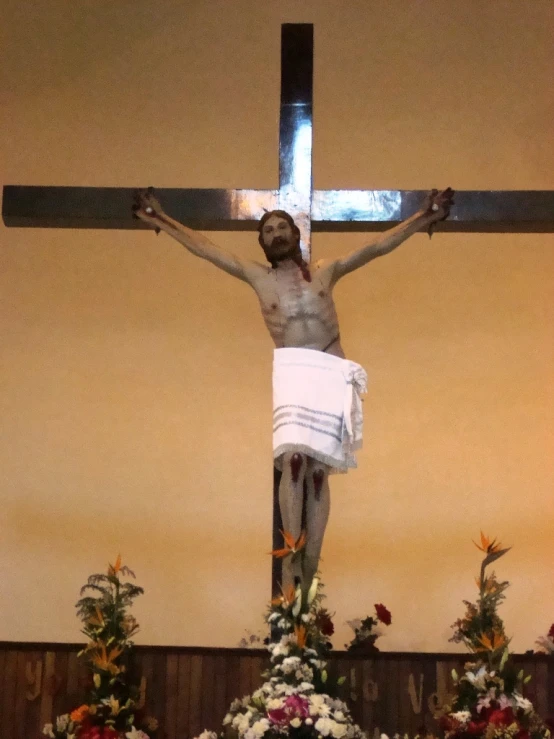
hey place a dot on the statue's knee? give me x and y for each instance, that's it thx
(318, 477)
(296, 462)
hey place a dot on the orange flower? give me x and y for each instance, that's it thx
(488, 546)
(105, 661)
(114, 569)
(491, 645)
(286, 598)
(79, 713)
(291, 546)
(97, 620)
(300, 632)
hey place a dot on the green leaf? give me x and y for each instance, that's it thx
(341, 680)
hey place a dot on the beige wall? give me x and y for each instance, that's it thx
(135, 380)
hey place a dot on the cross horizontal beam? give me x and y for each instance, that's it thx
(476, 211)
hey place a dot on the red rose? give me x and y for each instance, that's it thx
(324, 623)
(551, 632)
(503, 717)
(476, 727)
(383, 614)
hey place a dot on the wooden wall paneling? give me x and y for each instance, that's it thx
(244, 675)
(171, 686)
(147, 672)
(207, 719)
(46, 697)
(195, 721)
(550, 688)
(257, 666)
(394, 683)
(369, 694)
(220, 691)
(8, 695)
(189, 690)
(3, 657)
(158, 688)
(533, 690)
(352, 669)
(32, 688)
(57, 684)
(406, 675)
(429, 670)
(380, 694)
(540, 678)
(20, 700)
(232, 681)
(183, 698)
(73, 684)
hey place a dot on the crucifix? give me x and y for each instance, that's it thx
(312, 210)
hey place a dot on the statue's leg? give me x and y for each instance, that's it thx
(291, 498)
(318, 504)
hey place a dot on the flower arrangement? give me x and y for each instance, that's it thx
(489, 701)
(546, 643)
(367, 630)
(110, 710)
(292, 701)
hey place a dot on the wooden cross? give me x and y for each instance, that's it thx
(313, 210)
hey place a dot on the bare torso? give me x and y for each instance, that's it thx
(298, 313)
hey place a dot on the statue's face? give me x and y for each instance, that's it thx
(279, 240)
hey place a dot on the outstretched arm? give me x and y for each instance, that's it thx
(435, 208)
(149, 210)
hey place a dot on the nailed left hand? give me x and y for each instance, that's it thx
(438, 204)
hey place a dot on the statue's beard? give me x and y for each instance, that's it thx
(291, 253)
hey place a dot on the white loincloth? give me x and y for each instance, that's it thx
(317, 407)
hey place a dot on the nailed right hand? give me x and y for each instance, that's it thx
(146, 206)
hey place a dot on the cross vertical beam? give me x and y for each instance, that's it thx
(295, 178)
(296, 127)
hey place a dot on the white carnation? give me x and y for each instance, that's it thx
(260, 727)
(318, 706)
(462, 716)
(280, 649)
(338, 730)
(295, 722)
(324, 726)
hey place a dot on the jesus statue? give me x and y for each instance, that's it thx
(316, 390)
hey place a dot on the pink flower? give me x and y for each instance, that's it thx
(293, 707)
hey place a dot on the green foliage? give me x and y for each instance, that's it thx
(481, 629)
(111, 702)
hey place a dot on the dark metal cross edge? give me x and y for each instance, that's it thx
(476, 211)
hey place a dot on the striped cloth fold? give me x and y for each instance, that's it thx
(317, 408)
